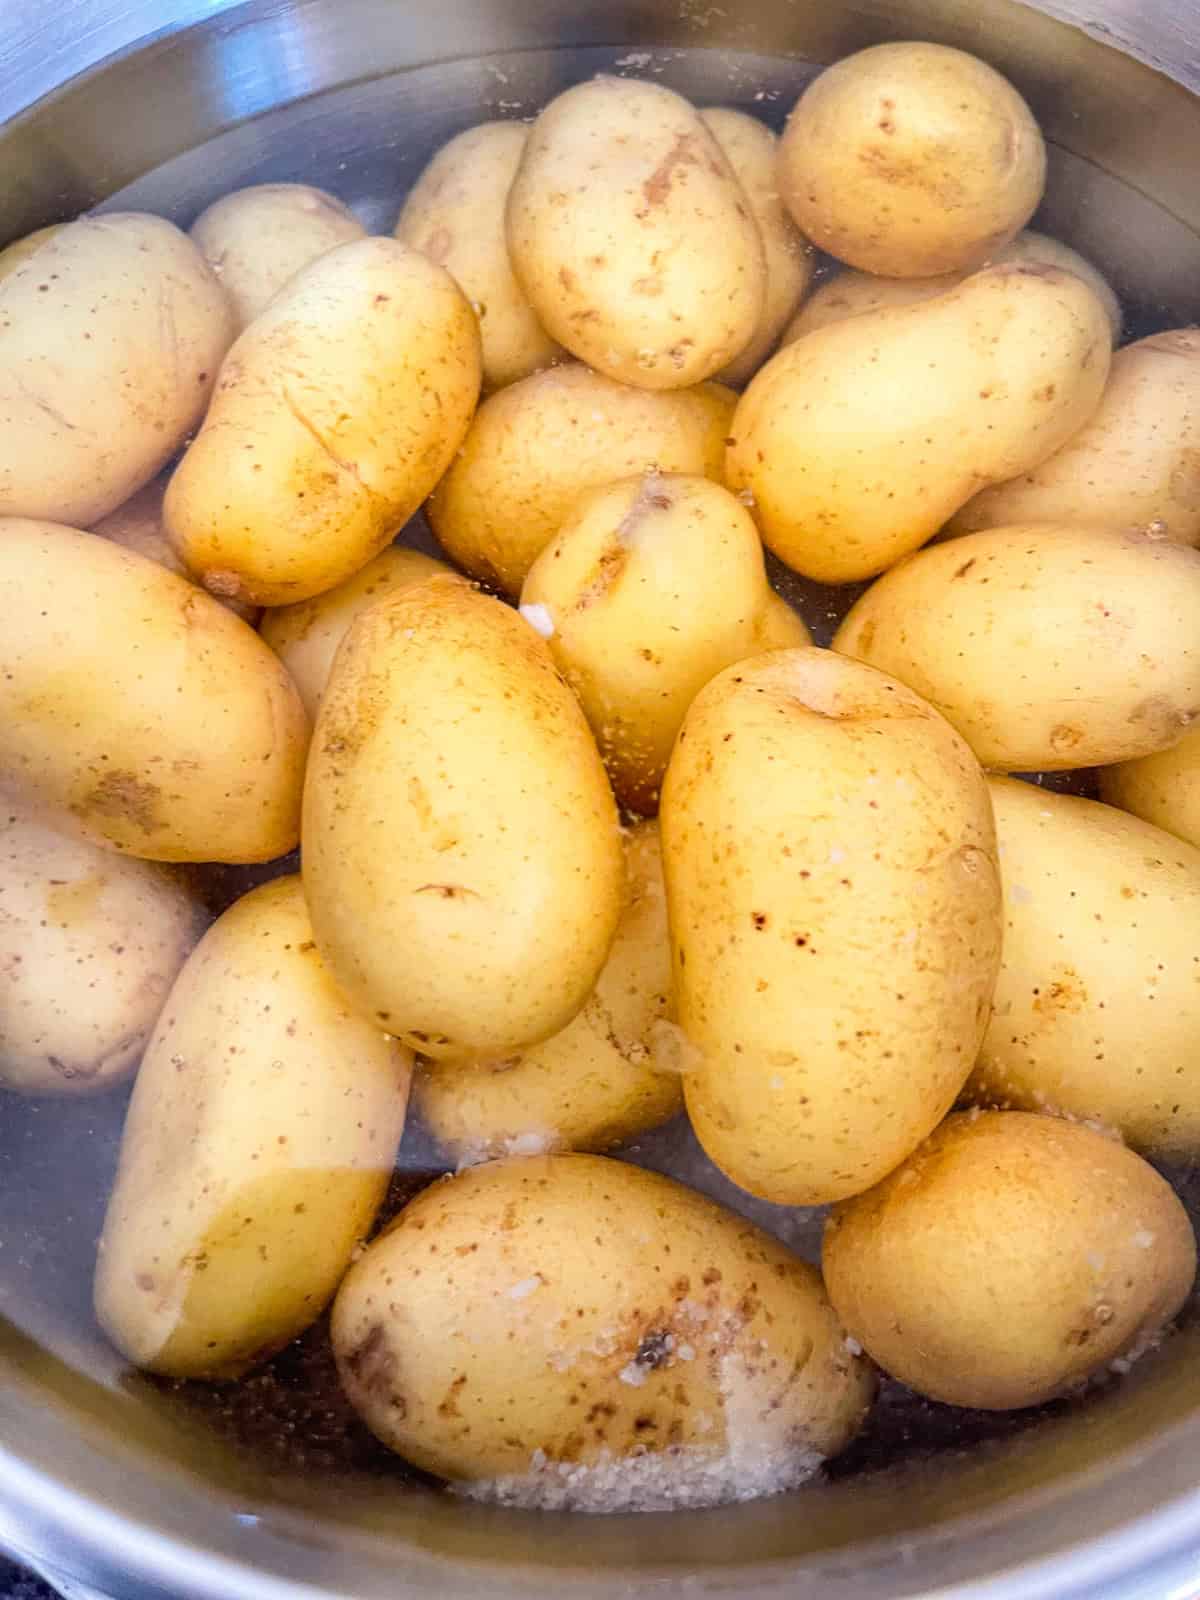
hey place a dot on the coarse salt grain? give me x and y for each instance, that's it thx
(526, 1287)
(539, 619)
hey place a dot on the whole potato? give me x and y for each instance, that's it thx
(911, 159)
(1008, 1259)
(258, 1146)
(336, 412)
(462, 857)
(90, 943)
(651, 587)
(1163, 788)
(111, 333)
(835, 916)
(995, 375)
(568, 1331)
(134, 701)
(454, 214)
(1048, 648)
(632, 238)
(536, 446)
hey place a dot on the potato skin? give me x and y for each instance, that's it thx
(1163, 788)
(257, 1149)
(21, 249)
(835, 919)
(462, 856)
(911, 159)
(1008, 1259)
(1048, 648)
(335, 413)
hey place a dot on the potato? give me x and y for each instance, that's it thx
(1163, 788)
(163, 724)
(536, 446)
(835, 915)
(337, 411)
(995, 376)
(632, 238)
(90, 942)
(752, 151)
(1046, 647)
(306, 636)
(651, 587)
(462, 857)
(258, 239)
(454, 214)
(1008, 1259)
(911, 159)
(571, 1332)
(111, 333)
(20, 250)
(259, 1144)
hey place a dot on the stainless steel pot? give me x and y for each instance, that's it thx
(108, 1479)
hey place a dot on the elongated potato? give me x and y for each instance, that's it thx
(129, 698)
(1163, 788)
(996, 375)
(835, 916)
(568, 1331)
(1046, 647)
(461, 850)
(259, 1144)
(336, 412)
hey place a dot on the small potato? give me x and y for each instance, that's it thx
(1048, 648)
(911, 159)
(1007, 1260)
(454, 214)
(611, 1073)
(536, 446)
(462, 857)
(1163, 788)
(632, 238)
(652, 586)
(132, 700)
(90, 943)
(569, 1332)
(336, 412)
(111, 333)
(845, 480)
(835, 917)
(258, 1147)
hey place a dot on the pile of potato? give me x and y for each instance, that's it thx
(595, 833)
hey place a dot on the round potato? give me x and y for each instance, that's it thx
(135, 702)
(835, 916)
(454, 214)
(1008, 1259)
(536, 446)
(621, 195)
(567, 1331)
(1048, 648)
(462, 856)
(651, 587)
(335, 414)
(258, 1147)
(1163, 788)
(111, 333)
(20, 250)
(911, 159)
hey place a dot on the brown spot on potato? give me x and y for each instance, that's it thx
(681, 154)
(961, 572)
(126, 797)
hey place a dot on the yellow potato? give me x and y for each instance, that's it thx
(90, 942)
(1009, 1259)
(454, 214)
(258, 1146)
(536, 446)
(781, 627)
(858, 441)
(163, 724)
(1046, 647)
(632, 238)
(336, 412)
(1163, 788)
(20, 250)
(571, 1332)
(461, 850)
(611, 1073)
(651, 587)
(911, 159)
(835, 913)
(111, 333)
